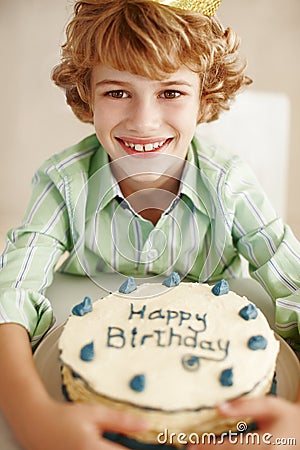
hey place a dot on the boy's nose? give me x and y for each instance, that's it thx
(144, 116)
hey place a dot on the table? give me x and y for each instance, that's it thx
(68, 290)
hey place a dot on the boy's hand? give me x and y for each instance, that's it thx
(39, 422)
(277, 420)
(63, 426)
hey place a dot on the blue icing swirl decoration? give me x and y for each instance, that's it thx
(138, 382)
(248, 312)
(257, 343)
(191, 362)
(226, 377)
(221, 288)
(87, 353)
(83, 308)
(128, 286)
(172, 280)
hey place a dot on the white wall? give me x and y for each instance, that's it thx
(256, 128)
(270, 34)
(35, 122)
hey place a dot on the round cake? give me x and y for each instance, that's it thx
(168, 352)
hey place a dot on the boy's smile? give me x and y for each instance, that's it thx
(138, 116)
(141, 145)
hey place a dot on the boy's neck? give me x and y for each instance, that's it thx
(148, 201)
(131, 187)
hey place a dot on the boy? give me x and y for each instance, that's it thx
(141, 196)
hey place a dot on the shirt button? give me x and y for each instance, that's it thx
(152, 254)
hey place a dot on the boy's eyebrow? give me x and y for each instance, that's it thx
(105, 82)
(176, 83)
(163, 83)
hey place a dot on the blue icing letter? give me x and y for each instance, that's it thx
(221, 288)
(248, 312)
(137, 383)
(257, 343)
(172, 280)
(128, 286)
(87, 352)
(226, 377)
(83, 308)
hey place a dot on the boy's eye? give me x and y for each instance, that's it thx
(170, 94)
(117, 94)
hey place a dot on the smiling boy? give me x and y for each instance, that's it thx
(144, 195)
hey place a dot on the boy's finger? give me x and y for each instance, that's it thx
(120, 422)
(256, 408)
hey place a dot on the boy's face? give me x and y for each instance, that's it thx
(134, 115)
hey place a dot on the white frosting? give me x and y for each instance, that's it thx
(206, 326)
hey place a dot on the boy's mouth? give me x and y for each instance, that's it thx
(147, 146)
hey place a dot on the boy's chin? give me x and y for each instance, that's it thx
(147, 170)
(148, 179)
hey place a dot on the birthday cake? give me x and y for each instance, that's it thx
(169, 353)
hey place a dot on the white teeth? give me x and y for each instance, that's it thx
(144, 148)
(138, 147)
(149, 147)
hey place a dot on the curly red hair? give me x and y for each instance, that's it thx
(152, 40)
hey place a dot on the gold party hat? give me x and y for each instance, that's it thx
(206, 7)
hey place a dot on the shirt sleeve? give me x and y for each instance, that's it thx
(270, 247)
(31, 253)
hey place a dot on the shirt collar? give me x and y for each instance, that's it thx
(105, 185)
(194, 183)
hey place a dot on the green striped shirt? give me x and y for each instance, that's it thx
(77, 207)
